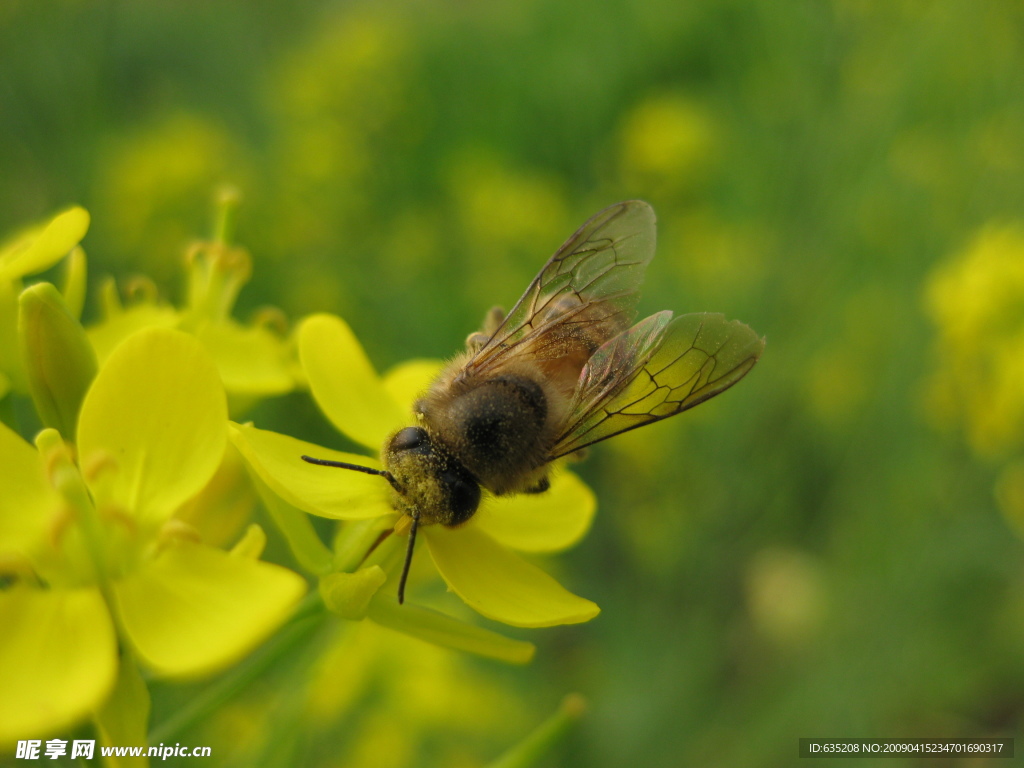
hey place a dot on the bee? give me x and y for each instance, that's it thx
(564, 369)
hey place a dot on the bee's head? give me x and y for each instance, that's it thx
(430, 482)
(429, 486)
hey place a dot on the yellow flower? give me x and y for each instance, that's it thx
(91, 552)
(477, 560)
(155, 176)
(28, 253)
(977, 302)
(432, 692)
(254, 362)
(667, 143)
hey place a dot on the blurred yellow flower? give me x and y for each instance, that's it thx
(428, 690)
(504, 211)
(476, 559)
(338, 100)
(666, 144)
(91, 552)
(786, 595)
(253, 360)
(152, 184)
(976, 300)
(722, 258)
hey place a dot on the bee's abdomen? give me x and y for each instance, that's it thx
(496, 430)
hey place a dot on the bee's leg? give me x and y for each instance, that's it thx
(492, 321)
(540, 486)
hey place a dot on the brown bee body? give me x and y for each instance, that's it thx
(564, 369)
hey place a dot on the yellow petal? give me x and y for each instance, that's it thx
(407, 381)
(344, 382)
(157, 408)
(224, 505)
(41, 248)
(499, 584)
(326, 491)
(251, 359)
(195, 609)
(540, 522)
(106, 335)
(58, 660)
(26, 498)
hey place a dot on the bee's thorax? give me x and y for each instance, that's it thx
(497, 428)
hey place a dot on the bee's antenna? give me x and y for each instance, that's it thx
(368, 470)
(408, 556)
(394, 484)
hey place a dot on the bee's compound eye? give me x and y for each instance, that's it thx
(464, 497)
(408, 439)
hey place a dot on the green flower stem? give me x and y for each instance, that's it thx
(307, 619)
(310, 552)
(67, 480)
(534, 747)
(122, 718)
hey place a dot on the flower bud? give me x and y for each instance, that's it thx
(59, 362)
(349, 594)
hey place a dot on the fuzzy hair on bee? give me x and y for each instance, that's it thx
(502, 427)
(565, 368)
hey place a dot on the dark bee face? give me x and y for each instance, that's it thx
(435, 485)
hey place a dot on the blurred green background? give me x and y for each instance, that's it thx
(831, 549)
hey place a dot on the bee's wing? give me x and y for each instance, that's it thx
(656, 369)
(584, 295)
